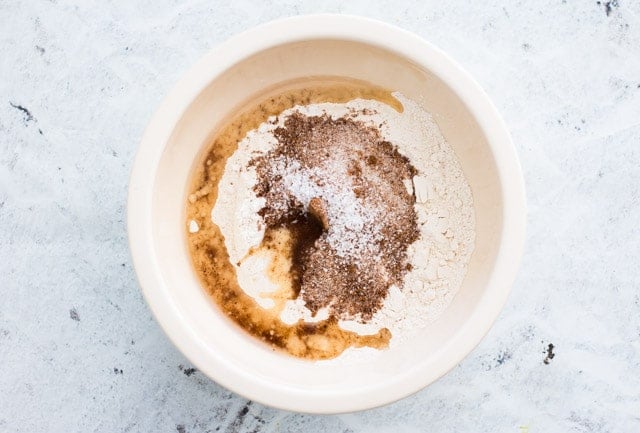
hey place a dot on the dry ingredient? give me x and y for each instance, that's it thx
(282, 176)
(338, 187)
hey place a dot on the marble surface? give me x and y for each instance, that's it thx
(79, 349)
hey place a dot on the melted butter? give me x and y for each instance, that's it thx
(320, 340)
(276, 246)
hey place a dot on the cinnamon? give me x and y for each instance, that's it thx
(338, 187)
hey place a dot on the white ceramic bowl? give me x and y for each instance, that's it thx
(228, 76)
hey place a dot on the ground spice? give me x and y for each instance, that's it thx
(337, 186)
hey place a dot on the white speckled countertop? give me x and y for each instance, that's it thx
(79, 349)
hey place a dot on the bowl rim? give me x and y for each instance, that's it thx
(305, 28)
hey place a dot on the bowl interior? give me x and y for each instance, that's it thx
(223, 340)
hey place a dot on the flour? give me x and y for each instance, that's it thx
(443, 206)
(193, 226)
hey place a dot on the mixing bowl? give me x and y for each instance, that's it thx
(233, 73)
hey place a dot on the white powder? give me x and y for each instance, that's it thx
(443, 206)
(193, 226)
(351, 225)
